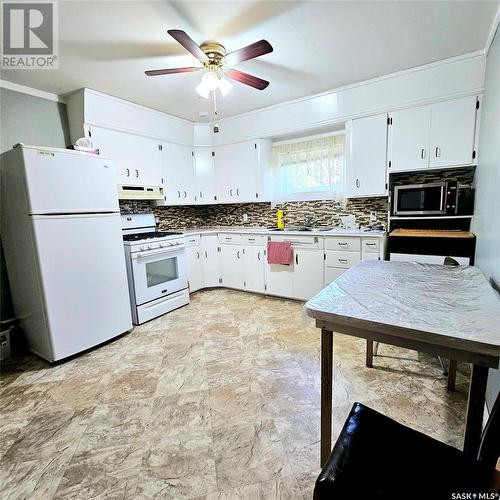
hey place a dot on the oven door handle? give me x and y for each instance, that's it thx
(163, 251)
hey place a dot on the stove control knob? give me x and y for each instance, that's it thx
(148, 247)
(171, 244)
(142, 247)
(162, 245)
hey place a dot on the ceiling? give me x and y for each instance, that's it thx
(318, 45)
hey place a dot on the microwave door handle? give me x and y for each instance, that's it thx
(443, 199)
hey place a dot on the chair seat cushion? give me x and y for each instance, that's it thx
(378, 458)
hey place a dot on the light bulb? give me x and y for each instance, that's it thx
(225, 86)
(211, 80)
(203, 90)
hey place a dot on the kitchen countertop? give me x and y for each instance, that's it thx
(263, 230)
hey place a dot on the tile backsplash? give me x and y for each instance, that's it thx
(323, 213)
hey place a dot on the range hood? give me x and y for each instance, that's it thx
(126, 192)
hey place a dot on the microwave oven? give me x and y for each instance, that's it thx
(439, 198)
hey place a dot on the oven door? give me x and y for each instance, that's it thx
(158, 273)
(419, 199)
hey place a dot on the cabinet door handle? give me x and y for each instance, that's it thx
(370, 244)
(237, 191)
(357, 183)
(342, 243)
(422, 153)
(238, 254)
(197, 255)
(178, 194)
(185, 194)
(344, 261)
(128, 172)
(231, 192)
(438, 151)
(258, 256)
(206, 255)
(201, 194)
(297, 258)
(136, 173)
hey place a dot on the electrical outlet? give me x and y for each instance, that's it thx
(245, 218)
(373, 217)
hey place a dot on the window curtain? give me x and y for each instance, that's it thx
(310, 170)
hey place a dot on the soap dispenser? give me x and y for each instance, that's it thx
(281, 220)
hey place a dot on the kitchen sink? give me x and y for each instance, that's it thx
(299, 228)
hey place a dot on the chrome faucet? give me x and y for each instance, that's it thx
(308, 221)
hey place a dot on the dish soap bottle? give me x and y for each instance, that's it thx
(281, 220)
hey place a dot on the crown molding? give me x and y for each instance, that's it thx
(493, 30)
(16, 87)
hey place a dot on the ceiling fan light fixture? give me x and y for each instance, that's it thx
(210, 80)
(225, 86)
(202, 90)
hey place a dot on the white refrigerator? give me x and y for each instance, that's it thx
(62, 239)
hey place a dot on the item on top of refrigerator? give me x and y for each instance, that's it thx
(84, 144)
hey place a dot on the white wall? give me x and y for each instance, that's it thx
(486, 223)
(463, 75)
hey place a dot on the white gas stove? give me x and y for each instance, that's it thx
(156, 267)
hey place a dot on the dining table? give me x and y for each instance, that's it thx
(447, 311)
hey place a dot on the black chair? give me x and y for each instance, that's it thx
(377, 458)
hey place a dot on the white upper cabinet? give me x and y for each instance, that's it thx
(409, 138)
(178, 174)
(434, 136)
(367, 156)
(452, 132)
(206, 190)
(138, 159)
(240, 171)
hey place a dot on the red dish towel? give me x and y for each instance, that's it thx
(279, 252)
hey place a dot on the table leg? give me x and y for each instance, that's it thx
(326, 394)
(369, 353)
(475, 409)
(452, 374)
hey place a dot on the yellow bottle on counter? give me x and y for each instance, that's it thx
(281, 221)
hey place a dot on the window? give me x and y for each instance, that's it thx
(309, 170)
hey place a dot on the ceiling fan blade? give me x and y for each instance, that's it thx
(249, 52)
(252, 81)
(170, 71)
(184, 39)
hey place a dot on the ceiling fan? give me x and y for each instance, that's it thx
(214, 59)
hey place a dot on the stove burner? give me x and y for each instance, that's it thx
(149, 236)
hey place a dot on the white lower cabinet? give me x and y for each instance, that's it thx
(231, 258)
(195, 268)
(340, 255)
(279, 279)
(210, 255)
(308, 273)
(253, 268)
(332, 273)
(239, 261)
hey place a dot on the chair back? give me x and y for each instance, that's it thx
(489, 450)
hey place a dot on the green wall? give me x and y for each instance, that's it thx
(31, 120)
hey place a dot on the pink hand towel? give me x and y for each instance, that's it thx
(279, 252)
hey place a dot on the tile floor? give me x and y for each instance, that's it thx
(217, 400)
